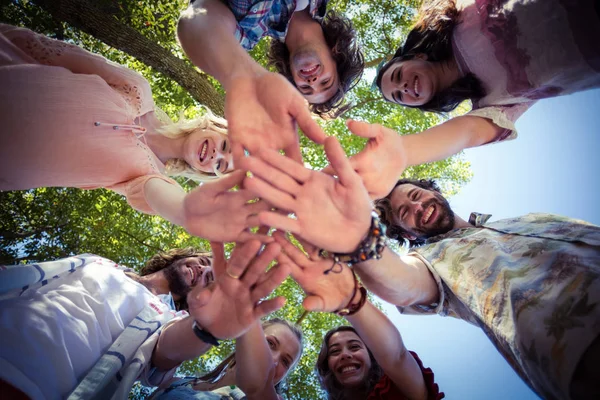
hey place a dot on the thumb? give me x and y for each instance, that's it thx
(200, 297)
(313, 303)
(364, 129)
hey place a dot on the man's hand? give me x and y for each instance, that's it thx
(331, 213)
(381, 162)
(262, 110)
(326, 292)
(216, 212)
(229, 307)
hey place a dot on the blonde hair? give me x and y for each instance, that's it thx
(184, 127)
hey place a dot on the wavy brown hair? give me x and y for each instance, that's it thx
(350, 63)
(165, 259)
(335, 391)
(386, 213)
(432, 36)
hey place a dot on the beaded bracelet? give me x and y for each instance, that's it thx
(371, 247)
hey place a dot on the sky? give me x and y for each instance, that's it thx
(551, 167)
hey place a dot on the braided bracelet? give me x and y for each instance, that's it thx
(353, 308)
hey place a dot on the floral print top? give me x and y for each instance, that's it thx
(525, 50)
(532, 283)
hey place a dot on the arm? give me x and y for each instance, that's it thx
(254, 365)
(402, 281)
(176, 344)
(385, 342)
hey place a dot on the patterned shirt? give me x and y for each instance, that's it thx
(525, 50)
(259, 18)
(532, 284)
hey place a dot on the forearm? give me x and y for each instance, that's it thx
(206, 33)
(402, 281)
(444, 140)
(166, 200)
(254, 363)
(177, 343)
(385, 342)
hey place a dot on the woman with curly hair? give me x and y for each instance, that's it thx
(73, 118)
(501, 55)
(263, 357)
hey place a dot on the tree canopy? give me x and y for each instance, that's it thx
(50, 223)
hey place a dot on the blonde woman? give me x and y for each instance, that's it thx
(73, 118)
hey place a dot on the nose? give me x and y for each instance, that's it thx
(311, 79)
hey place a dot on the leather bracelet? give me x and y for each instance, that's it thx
(353, 308)
(204, 335)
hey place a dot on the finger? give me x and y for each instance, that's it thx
(309, 248)
(293, 153)
(222, 185)
(266, 191)
(300, 112)
(340, 163)
(219, 261)
(260, 263)
(238, 153)
(246, 236)
(294, 253)
(328, 170)
(241, 257)
(289, 167)
(272, 172)
(269, 281)
(257, 206)
(266, 307)
(279, 222)
(363, 129)
(313, 303)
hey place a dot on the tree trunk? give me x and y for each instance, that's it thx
(90, 18)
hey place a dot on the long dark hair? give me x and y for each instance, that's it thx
(335, 391)
(432, 36)
(217, 373)
(341, 39)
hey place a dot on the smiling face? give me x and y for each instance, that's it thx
(184, 274)
(348, 358)
(314, 73)
(411, 82)
(208, 151)
(423, 213)
(285, 349)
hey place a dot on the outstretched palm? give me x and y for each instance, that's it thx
(229, 307)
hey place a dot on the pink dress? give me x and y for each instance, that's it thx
(72, 118)
(525, 50)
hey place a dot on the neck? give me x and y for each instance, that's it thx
(303, 30)
(156, 283)
(461, 223)
(163, 147)
(355, 394)
(447, 73)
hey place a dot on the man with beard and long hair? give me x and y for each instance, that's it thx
(532, 283)
(85, 327)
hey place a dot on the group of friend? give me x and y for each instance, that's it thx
(86, 328)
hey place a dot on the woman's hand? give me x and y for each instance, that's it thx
(326, 292)
(381, 162)
(331, 213)
(229, 307)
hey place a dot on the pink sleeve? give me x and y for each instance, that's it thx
(133, 190)
(79, 61)
(502, 116)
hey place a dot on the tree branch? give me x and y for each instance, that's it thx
(143, 243)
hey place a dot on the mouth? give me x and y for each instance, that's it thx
(203, 276)
(309, 71)
(416, 87)
(429, 215)
(347, 370)
(203, 151)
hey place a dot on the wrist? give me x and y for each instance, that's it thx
(246, 70)
(204, 335)
(370, 247)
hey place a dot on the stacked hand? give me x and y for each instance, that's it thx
(331, 213)
(262, 110)
(231, 304)
(381, 162)
(215, 211)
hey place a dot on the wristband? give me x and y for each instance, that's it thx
(204, 335)
(353, 308)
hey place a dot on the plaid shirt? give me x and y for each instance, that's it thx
(259, 18)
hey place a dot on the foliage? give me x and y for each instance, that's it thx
(49, 223)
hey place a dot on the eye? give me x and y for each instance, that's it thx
(286, 363)
(218, 165)
(325, 82)
(271, 343)
(224, 146)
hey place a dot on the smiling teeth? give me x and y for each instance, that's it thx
(416, 80)
(349, 368)
(193, 274)
(204, 150)
(428, 215)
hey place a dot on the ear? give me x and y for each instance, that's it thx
(421, 56)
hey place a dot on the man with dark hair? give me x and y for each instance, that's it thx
(318, 53)
(87, 328)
